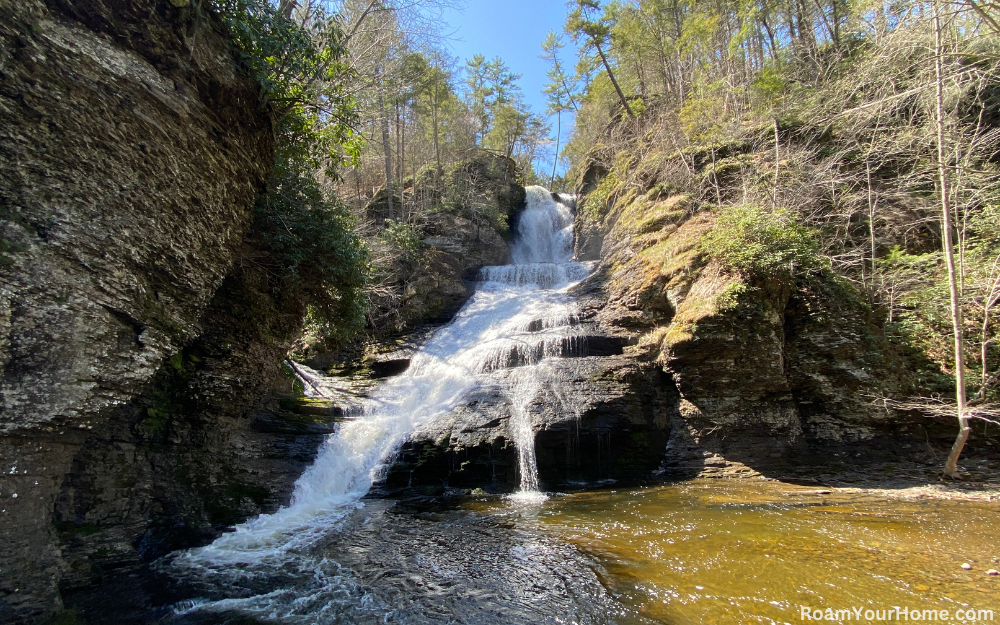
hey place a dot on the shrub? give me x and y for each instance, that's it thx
(313, 253)
(403, 237)
(310, 241)
(757, 242)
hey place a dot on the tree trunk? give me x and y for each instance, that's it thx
(951, 465)
(387, 150)
(991, 300)
(770, 37)
(777, 163)
(286, 7)
(715, 179)
(555, 161)
(871, 219)
(614, 82)
(402, 160)
(399, 164)
(437, 147)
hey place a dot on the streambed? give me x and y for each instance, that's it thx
(748, 551)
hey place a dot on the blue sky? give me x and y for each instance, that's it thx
(514, 31)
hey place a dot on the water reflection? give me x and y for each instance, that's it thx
(746, 551)
(709, 551)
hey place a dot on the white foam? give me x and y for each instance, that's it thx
(521, 315)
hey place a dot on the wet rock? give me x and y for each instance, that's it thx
(605, 419)
(772, 374)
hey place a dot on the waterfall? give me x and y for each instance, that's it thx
(526, 384)
(519, 318)
(544, 232)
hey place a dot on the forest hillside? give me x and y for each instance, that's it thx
(843, 147)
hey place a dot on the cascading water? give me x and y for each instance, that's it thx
(519, 316)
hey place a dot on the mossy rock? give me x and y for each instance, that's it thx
(643, 216)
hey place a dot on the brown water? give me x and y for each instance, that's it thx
(743, 551)
(706, 551)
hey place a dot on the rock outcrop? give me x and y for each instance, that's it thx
(768, 372)
(602, 416)
(132, 149)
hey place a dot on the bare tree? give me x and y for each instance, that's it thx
(951, 464)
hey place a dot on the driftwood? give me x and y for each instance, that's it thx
(305, 377)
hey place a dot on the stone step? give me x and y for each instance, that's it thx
(328, 409)
(518, 354)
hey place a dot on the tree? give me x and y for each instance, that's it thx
(584, 23)
(509, 125)
(387, 152)
(951, 464)
(432, 88)
(559, 94)
(477, 93)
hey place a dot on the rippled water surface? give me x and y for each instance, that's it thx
(707, 551)
(740, 551)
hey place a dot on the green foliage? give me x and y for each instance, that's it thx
(986, 225)
(403, 237)
(183, 363)
(561, 92)
(759, 243)
(729, 298)
(298, 388)
(595, 204)
(306, 233)
(638, 106)
(704, 114)
(303, 73)
(769, 87)
(663, 190)
(309, 236)
(478, 92)
(585, 21)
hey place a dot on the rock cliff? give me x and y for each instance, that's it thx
(132, 150)
(686, 367)
(605, 416)
(598, 414)
(769, 372)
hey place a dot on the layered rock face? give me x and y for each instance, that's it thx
(594, 412)
(457, 248)
(768, 373)
(461, 236)
(132, 149)
(603, 416)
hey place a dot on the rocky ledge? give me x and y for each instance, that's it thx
(133, 146)
(602, 417)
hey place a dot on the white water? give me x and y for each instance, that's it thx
(519, 318)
